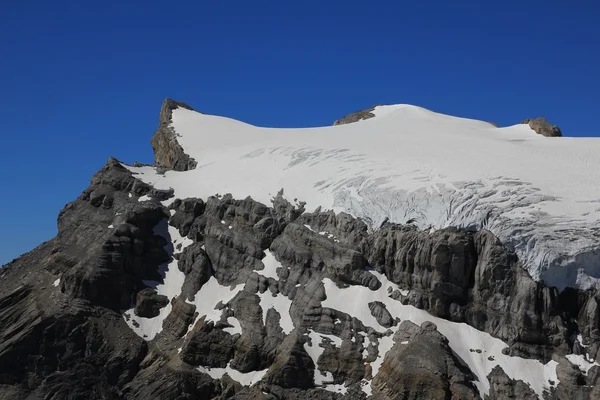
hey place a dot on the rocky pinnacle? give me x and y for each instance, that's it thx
(168, 153)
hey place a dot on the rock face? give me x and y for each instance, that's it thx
(420, 364)
(168, 152)
(505, 388)
(356, 116)
(148, 303)
(543, 127)
(141, 295)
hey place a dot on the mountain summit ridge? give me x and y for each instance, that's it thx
(162, 283)
(167, 151)
(449, 171)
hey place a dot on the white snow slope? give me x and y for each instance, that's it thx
(539, 195)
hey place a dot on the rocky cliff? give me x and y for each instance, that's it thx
(168, 153)
(144, 295)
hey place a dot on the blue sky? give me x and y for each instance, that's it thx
(83, 81)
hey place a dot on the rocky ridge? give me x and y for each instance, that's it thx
(540, 125)
(69, 308)
(168, 153)
(356, 116)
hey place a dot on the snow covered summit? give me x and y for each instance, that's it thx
(160, 284)
(539, 195)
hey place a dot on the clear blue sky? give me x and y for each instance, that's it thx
(83, 80)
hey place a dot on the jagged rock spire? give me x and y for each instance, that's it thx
(168, 152)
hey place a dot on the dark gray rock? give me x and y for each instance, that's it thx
(504, 388)
(208, 346)
(341, 262)
(186, 212)
(470, 277)
(180, 318)
(160, 379)
(423, 368)
(356, 116)
(543, 127)
(168, 152)
(380, 312)
(148, 303)
(292, 367)
(196, 266)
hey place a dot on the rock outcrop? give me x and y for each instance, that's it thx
(543, 127)
(421, 365)
(168, 153)
(356, 116)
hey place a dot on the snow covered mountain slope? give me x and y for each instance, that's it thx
(539, 195)
(210, 275)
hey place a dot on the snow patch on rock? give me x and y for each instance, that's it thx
(246, 379)
(461, 337)
(582, 362)
(207, 298)
(173, 279)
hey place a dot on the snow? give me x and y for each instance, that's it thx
(585, 282)
(462, 337)
(144, 198)
(366, 387)
(246, 379)
(315, 351)
(582, 362)
(323, 379)
(56, 282)
(280, 303)
(209, 295)
(111, 226)
(271, 265)
(538, 195)
(236, 327)
(342, 389)
(148, 328)
(385, 344)
(329, 236)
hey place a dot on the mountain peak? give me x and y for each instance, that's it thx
(168, 152)
(318, 263)
(166, 110)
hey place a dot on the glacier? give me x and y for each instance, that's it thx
(539, 195)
